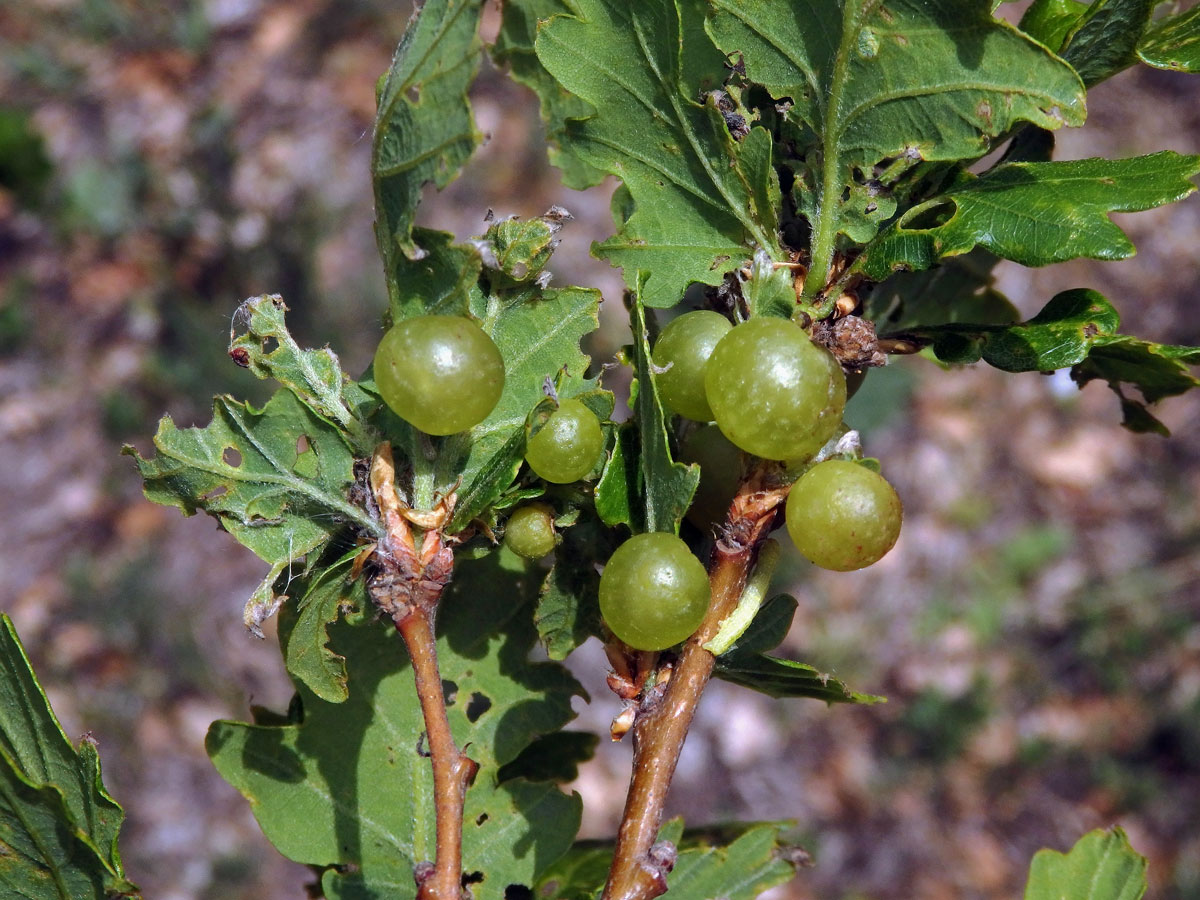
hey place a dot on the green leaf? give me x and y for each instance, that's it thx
(1156, 370)
(538, 333)
(752, 864)
(754, 860)
(910, 80)
(702, 201)
(346, 788)
(439, 283)
(616, 497)
(424, 131)
(1050, 21)
(568, 608)
(1059, 336)
(769, 627)
(1174, 43)
(1103, 42)
(489, 481)
(58, 826)
(1097, 40)
(268, 350)
(734, 861)
(276, 478)
(321, 599)
(960, 289)
(783, 678)
(769, 291)
(642, 486)
(1032, 213)
(579, 874)
(1101, 866)
(514, 46)
(553, 757)
(1076, 328)
(279, 495)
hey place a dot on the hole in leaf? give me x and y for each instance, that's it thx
(481, 818)
(414, 94)
(478, 705)
(219, 491)
(517, 892)
(269, 345)
(302, 444)
(936, 215)
(450, 692)
(472, 878)
(231, 457)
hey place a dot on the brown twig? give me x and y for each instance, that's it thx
(407, 585)
(453, 771)
(640, 865)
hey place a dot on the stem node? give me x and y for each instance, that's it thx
(407, 584)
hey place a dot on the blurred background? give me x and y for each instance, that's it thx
(1036, 630)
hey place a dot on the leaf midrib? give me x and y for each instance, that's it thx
(674, 97)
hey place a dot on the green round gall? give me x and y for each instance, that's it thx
(653, 591)
(773, 392)
(683, 349)
(720, 473)
(530, 531)
(843, 516)
(442, 374)
(568, 444)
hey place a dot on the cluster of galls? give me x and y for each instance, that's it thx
(772, 389)
(777, 393)
(444, 374)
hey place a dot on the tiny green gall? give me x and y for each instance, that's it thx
(567, 446)
(530, 531)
